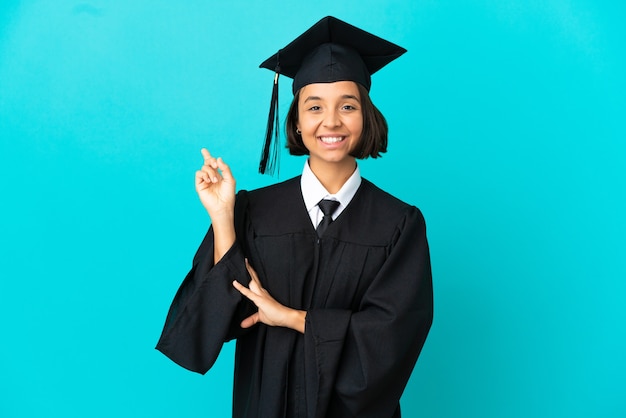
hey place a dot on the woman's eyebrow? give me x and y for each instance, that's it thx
(312, 98)
(345, 96)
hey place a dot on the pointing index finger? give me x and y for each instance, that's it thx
(208, 159)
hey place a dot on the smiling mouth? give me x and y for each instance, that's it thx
(331, 139)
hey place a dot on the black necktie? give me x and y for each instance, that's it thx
(328, 207)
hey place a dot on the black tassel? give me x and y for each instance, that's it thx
(270, 154)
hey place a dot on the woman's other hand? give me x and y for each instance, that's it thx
(270, 311)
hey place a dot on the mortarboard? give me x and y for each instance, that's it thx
(330, 50)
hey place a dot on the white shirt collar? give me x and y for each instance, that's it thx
(313, 191)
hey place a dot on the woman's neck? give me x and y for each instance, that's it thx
(332, 175)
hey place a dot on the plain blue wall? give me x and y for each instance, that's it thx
(507, 130)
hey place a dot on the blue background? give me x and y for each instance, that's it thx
(507, 130)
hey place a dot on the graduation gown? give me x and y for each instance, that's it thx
(366, 286)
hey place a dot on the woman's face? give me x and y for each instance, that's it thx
(331, 121)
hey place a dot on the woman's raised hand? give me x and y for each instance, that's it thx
(215, 186)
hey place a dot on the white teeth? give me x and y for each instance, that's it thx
(331, 139)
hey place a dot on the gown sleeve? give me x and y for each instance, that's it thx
(207, 309)
(360, 362)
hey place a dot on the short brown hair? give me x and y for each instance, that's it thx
(373, 141)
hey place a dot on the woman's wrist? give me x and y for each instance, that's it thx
(222, 216)
(296, 320)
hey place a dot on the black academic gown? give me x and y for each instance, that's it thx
(366, 286)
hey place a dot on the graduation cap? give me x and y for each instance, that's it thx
(330, 50)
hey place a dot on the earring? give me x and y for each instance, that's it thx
(298, 131)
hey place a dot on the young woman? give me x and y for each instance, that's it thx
(323, 279)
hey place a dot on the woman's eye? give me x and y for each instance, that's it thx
(348, 107)
(314, 108)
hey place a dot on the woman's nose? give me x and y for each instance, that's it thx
(331, 119)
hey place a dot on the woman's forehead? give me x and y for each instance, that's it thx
(330, 90)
